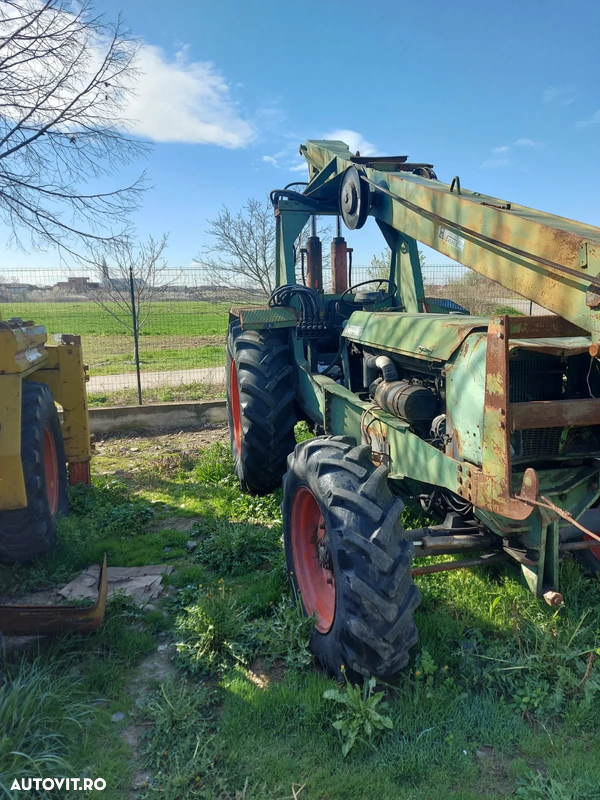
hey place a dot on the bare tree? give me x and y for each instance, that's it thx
(129, 288)
(65, 75)
(242, 255)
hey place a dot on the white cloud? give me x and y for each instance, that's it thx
(303, 167)
(593, 120)
(354, 140)
(270, 160)
(528, 143)
(178, 100)
(502, 149)
(496, 162)
(561, 94)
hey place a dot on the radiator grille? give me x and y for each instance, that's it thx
(541, 442)
(535, 379)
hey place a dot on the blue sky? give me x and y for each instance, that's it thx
(505, 95)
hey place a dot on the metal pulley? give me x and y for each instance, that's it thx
(354, 199)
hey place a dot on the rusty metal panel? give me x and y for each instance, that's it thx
(547, 326)
(40, 620)
(257, 317)
(490, 487)
(554, 414)
(432, 337)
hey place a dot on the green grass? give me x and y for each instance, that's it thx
(159, 394)
(178, 335)
(189, 318)
(501, 695)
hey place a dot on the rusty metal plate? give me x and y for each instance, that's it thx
(21, 620)
(257, 317)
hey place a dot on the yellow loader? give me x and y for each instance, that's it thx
(39, 457)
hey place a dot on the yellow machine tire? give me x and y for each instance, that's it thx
(27, 533)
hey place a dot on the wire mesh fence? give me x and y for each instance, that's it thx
(183, 326)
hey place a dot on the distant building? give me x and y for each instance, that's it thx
(17, 288)
(76, 285)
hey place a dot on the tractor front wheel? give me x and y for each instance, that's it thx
(347, 557)
(27, 533)
(260, 405)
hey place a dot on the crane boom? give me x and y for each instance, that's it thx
(548, 259)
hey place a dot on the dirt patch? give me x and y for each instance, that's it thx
(155, 668)
(496, 773)
(186, 441)
(125, 454)
(180, 524)
(262, 676)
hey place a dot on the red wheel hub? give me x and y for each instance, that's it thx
(312, 558)
(236, 409)
(51, 469)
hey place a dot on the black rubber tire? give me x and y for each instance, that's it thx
(588, 561)
(27, 533)
(266, 395)
(373, 627)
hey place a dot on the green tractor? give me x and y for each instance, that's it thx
(492, 424)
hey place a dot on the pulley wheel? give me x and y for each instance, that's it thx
(354, 199)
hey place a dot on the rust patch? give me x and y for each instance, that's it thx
(39, 620)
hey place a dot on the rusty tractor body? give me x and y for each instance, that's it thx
(491, 423)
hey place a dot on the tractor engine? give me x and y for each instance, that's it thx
(439, 389)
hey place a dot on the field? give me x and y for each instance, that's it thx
(212, 693)
(178, 336)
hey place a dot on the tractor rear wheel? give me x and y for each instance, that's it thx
(260, 405)
(348, 559)
(26, 533)
(589, 559)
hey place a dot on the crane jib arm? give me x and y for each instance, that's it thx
(550, 260)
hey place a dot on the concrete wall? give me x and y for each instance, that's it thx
(160, 416)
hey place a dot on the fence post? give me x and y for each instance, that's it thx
(531, 308)
(136, 348)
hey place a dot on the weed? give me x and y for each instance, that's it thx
(536, 786)
(215, 632)
(302, 432)
(215, 465)
(171, 465)
(265, 509)
(425, 670)
(237, 547)
(545, 670)
(361, 719)
(286, 635)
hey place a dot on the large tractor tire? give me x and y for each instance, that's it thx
(589, 559)
(348, 559)
(27, 533)
(260, 405)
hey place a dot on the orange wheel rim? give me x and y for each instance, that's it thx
(595, 551)
(312, 558)
(236, 409)
(51, 469)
